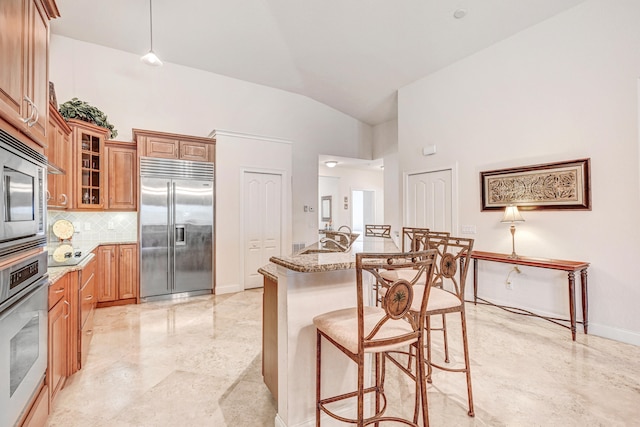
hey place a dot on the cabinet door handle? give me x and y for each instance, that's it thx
(48, 195)
(64, 199)
(89, 297)
(28, 119)
(59, 291)
(68, 309)
(30, 124)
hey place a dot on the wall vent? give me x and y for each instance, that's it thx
(297, 247)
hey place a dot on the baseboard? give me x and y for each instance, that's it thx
(604, 331)
(278, 422)
(229, 288)
(617, 334)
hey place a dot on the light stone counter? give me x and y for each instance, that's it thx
(328, 261)
(56, 273)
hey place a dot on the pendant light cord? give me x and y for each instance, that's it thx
(151, 23)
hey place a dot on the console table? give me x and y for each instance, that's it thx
(571, 267)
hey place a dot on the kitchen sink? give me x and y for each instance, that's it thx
(318, 251)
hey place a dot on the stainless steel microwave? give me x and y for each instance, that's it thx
(23, 207)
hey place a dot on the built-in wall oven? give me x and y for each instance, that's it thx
(23, 334)
(22, 198)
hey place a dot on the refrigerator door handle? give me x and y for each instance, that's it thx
(173, 244)
(181, 235)
(169, 244)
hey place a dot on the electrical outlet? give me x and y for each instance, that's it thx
(306, 208)
(110, 225)
(310, 208)
(468, 229)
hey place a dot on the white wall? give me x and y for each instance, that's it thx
(564, 89)
(354, 179)
(237, 154)
(385, 146)
(179, 99)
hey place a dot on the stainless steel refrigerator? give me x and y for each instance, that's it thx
(176, 227)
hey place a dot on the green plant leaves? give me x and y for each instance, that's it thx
(80, 110)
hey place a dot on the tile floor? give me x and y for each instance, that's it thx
(196, 362)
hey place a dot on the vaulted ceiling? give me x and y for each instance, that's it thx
(352, 55)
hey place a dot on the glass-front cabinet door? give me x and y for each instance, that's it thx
(89, 168)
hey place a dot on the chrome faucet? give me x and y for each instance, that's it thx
(338, 244)
(347, 227)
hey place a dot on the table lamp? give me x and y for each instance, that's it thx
(512, 215)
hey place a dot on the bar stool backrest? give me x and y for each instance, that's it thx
(452, 263)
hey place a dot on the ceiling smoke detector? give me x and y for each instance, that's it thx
(460, 13)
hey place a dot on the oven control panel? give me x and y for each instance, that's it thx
(19, 276)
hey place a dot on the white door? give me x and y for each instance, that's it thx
(428, 203)
(262, 223)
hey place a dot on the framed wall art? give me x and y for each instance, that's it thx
(557, 186)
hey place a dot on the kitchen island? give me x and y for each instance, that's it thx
(305, 285)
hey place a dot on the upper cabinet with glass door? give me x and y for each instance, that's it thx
(89, 165)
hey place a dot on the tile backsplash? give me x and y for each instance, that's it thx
(97, 227)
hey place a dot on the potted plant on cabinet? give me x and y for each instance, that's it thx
(77, 109)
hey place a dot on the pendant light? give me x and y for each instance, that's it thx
(151, 58)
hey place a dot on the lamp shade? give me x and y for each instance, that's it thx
(511, 214)
(151, 59)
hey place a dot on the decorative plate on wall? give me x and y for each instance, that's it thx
(63, 229)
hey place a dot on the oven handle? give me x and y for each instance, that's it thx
(19, 299)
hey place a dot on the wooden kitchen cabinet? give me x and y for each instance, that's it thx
(38, 411)
(58, 152)
(88, 299)
(270, 335)
(24, 65)
(88, 165)
(107, 271)
(174, 146)
(117, 274)
(193, 150)
(122, 176)
(59, 330)
(128, 272)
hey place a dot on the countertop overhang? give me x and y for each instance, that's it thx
(330, 261)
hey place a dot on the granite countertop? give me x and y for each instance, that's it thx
(329, 261)
(56, 273)
(270, 271)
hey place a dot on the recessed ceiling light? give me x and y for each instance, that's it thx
(459, 13)
(331, 163)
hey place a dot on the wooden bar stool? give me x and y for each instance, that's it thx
(447, 297)
(374, 230)
(416, 240)
(377, 330)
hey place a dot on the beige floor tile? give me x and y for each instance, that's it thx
(196, 362)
